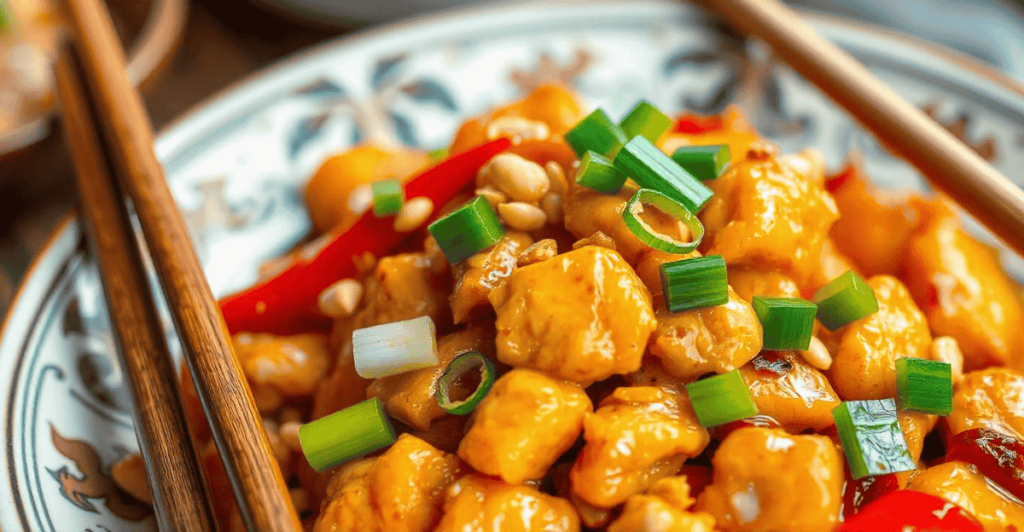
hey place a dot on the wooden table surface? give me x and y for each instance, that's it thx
(225, 40)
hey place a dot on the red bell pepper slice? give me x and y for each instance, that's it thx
(996, 455)
(860, 493)
(904, 508)
(276, 304)
(696, 125)
(837, 181)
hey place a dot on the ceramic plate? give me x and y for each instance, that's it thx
(237, 164)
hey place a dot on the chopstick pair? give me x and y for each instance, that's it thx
(107, 127)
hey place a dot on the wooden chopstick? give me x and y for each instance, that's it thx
(172, 464)
(237, 428)
(945, 161)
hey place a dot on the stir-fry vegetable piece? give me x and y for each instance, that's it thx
(845, 299)
(909, 510)
(346, 434)
(704, 162)
(388, 197)
(695, 125)
(596, 133)
(599, 173)
(924, 385)
(787, 321)
(635, 207)
(467, 230)
(284, 303)
(463, 366)
(392, 348)
(721, 399)
(6, 16)
(998, 456)
(651, 168)
(862, 492)
(695, 283)
(872, 438)
(646, 121)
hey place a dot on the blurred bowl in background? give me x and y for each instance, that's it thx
(150, 30)
(349, 12)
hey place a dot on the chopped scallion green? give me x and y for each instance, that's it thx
(647, 234)
(393, 348)
(924, 385)
(6, 15)
(845, 299)
(467, 230)
(388, 197)
(721, 399)
(695, 283)
(705, 162)
(599, 173)
(787, 321)
(346, 434)
(471, 362)
(872, 439)
(652, 169)
(596, 133)
(647, 121)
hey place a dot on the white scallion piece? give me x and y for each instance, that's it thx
(394, 348)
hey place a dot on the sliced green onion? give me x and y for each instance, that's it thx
(467, 230)
(6, 15)
(461, 366)
(695, 283)
(872, 438)
(393, 348)
(437, 155)
(705, 162)
(845, 299)
(652, 169)
(597, 133)
(388, 197)
(787, 321)
(647, 121)
(647, 234)
(924, 385)
(721, 399)
(599, 173)
(346, 434)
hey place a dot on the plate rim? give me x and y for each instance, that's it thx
(165, 137)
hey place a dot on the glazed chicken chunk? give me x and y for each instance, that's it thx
(523, 425)
(582, 316)
(477, 502)
(400, 491)
(638, 435)
(767, 480)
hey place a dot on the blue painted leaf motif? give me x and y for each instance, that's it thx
(718, 99)
(308, 129)
(95, 372)
(385, 71)
(404, 130)
(322, 88)
(696, 58)
(427, 90)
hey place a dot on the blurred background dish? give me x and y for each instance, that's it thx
(29, 33)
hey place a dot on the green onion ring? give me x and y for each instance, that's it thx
(459, 366)
(647, 235)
